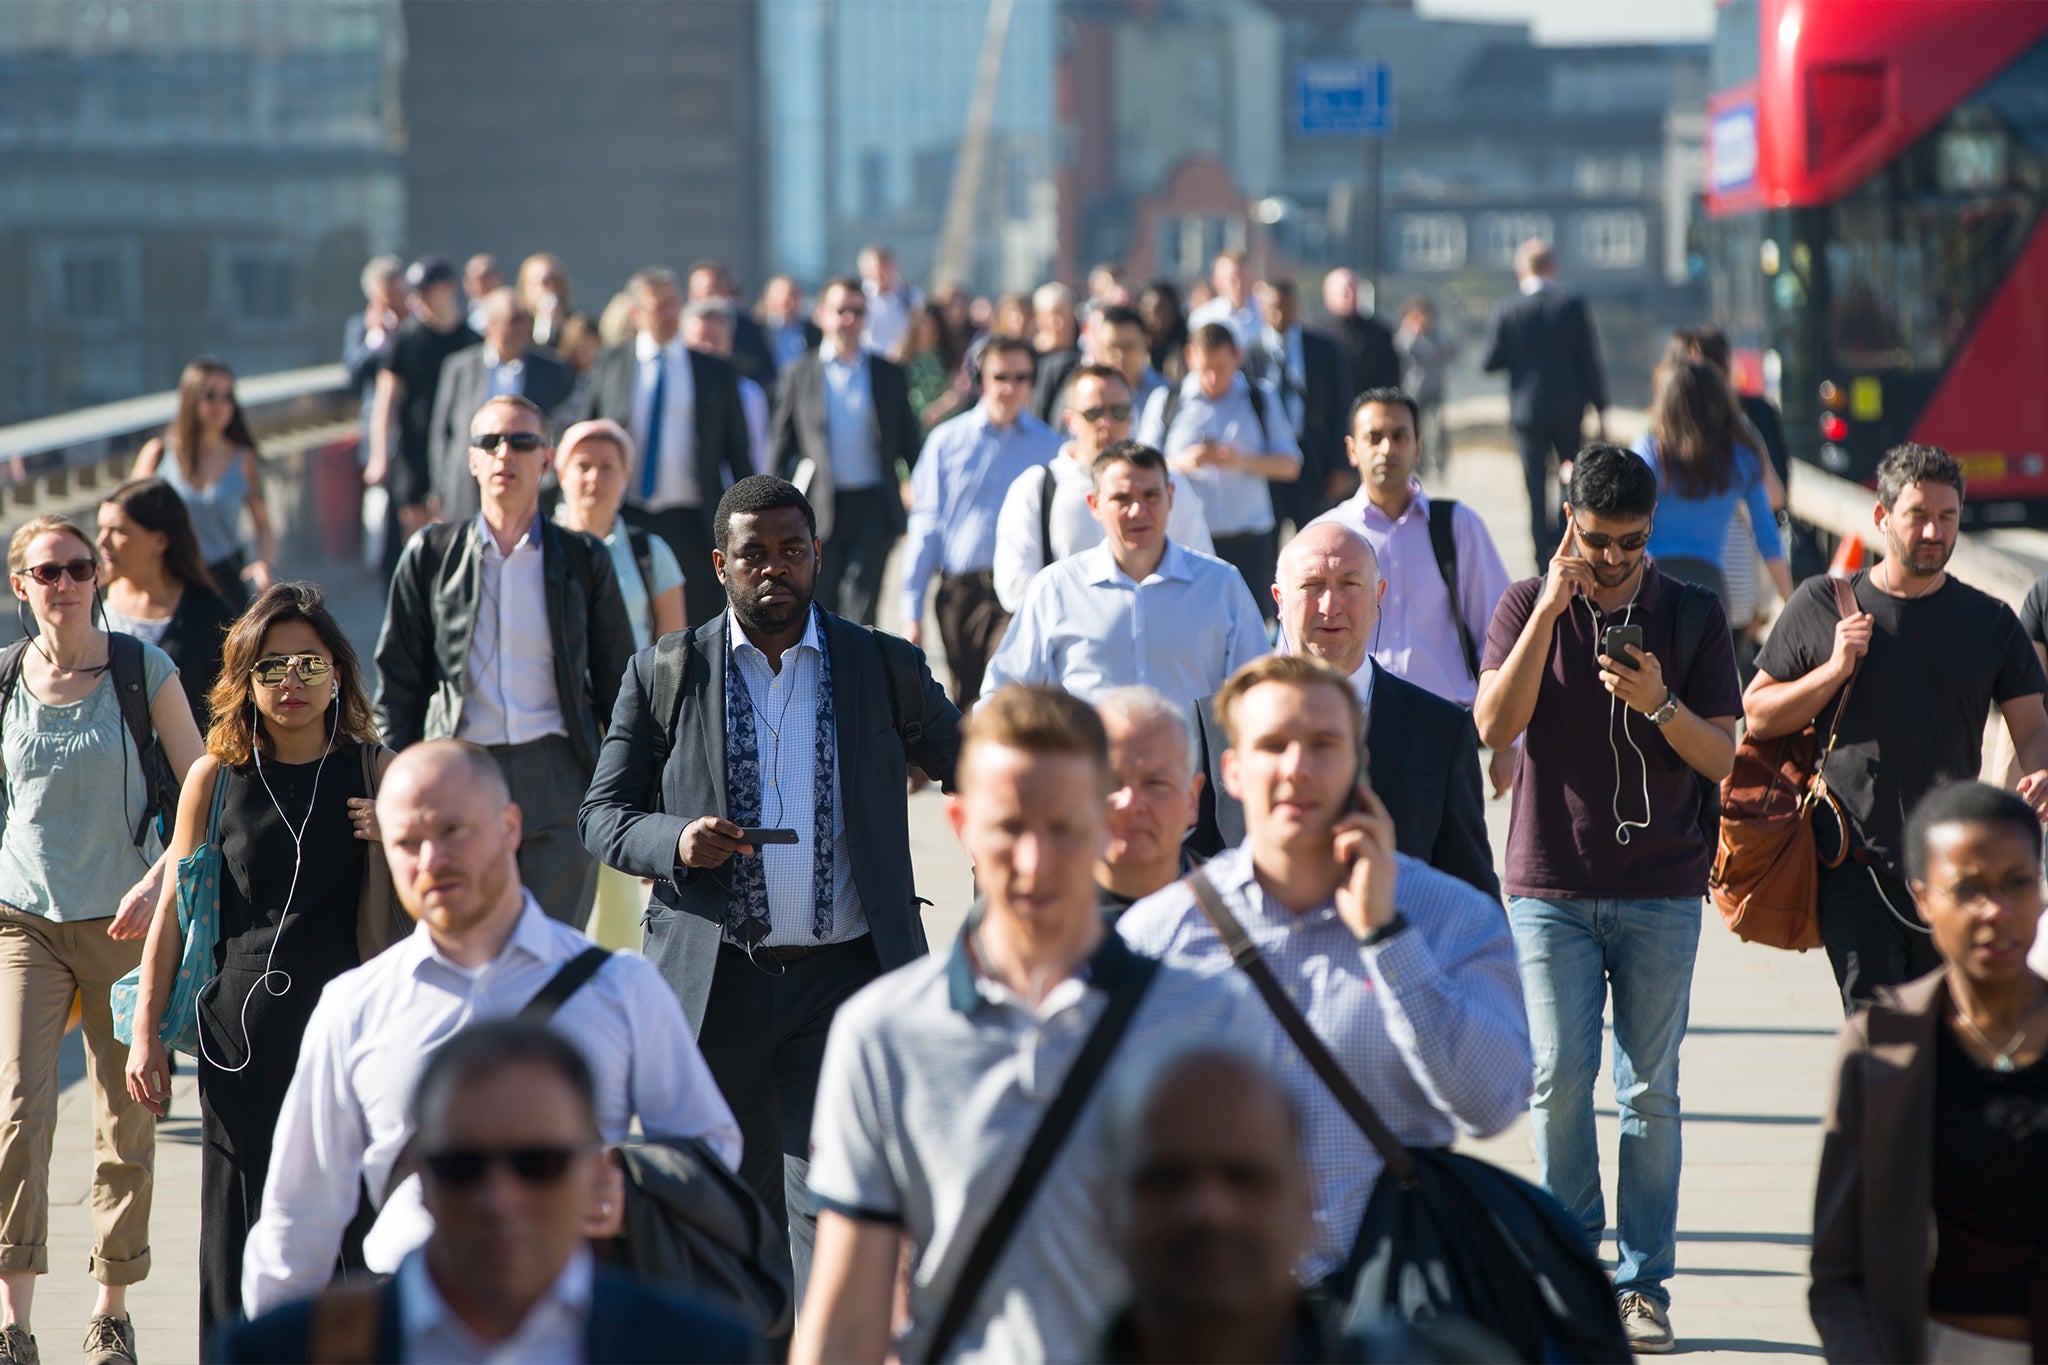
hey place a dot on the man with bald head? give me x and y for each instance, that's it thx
(1422, 751)
(1158, 791)
(484, 949)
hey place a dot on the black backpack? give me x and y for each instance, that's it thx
(1444, 544)
(159, 783)
(1695, 616)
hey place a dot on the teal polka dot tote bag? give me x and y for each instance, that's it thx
(199, 925)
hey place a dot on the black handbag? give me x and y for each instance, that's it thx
(1447, 1236)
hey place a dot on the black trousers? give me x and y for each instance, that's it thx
(971, 625)
(688, 532)
(764, 1040)
(1257, 557)
(1871, 943)
(1536, 444)
(548, 782)
(850, 578)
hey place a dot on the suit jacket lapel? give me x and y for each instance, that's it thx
(842, 640)
(1383, 728)
(709, 643)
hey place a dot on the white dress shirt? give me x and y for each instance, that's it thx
(509, 694)
(1088, 627)
(553, 1332)
(507, 376)
(675, 482)
(1020, 543)
(889, 313)
(785, 737)
(347, 1113)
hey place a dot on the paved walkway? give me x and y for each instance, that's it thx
(1755, 1077)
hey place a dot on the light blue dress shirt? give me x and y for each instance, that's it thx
(1088, 627)
(1236, 503)
(849, 421)
(958, 487)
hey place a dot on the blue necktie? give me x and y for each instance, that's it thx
(650, 458)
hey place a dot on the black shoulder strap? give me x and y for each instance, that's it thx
(1045, 1145)
(906, 702)
(665, 701)
(1695, 618)
(643, 556)
(1443, 540)
(131, 689)
(563, 984)
(1045, 493)
(1245, 954)
(10, 673)
(1258, 397)
(1172, 410)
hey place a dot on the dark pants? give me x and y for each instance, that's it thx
(850, 579)
(688, 532)
(971, 625)
(1546, 526)
(1257, 557)
(764, 1040)
(548, 783)
(1870, 943)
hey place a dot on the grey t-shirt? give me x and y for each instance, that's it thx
(74, 793)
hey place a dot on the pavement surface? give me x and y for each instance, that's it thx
(1755, 1078)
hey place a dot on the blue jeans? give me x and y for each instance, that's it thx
(1570, 950)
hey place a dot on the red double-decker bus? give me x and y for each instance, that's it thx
(1877, 171)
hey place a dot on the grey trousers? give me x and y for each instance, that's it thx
(548, 784)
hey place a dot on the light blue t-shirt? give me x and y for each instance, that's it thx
(74, 794)
(668, 573)
(1697, 528)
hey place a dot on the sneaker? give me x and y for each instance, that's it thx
(109, 1340)
(17, 1347)
(1647, 1325)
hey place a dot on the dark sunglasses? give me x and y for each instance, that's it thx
(855, 312)
(79, 571)
(462, 1168)
(218, 395)
(1119, 411)
(270, 671)
(521, 441)
(1023, 378)
(1630, 543)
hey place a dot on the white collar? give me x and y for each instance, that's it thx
(645, 348)
(832, 357)
(1361, 682)
(488, 538)
(1536, 284)
(1102, 566)
(530, 936)
(422, 1309)
(736, 639)
(492, 360)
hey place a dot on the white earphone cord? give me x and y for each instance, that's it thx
(1623, 826)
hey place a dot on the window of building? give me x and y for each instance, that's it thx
(1432, 241)
(93, 283)
(1617, 239)
(1501, 233)
(263, 287)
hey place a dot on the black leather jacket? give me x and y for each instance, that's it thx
(423, 652)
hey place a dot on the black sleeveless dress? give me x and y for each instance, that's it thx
(250, 1025)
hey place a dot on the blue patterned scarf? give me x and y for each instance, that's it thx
(746, 913)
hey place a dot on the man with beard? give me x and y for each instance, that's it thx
(1937, 654)
(774, 715)
(483, 950)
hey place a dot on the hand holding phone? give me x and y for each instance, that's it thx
(1363, 842)
(1615, 645)
(759, 835)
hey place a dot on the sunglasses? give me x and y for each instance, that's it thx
(49, 575)
(218, 395)
(462, 1168)
(521, 441)
(853, 312)
(1023, 378)
(1120, 412)
(1630, 543)
(311, 668)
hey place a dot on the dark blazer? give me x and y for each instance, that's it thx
(1546, 344)
(423, 650)
(197, 630)
(629, 1323)
(633, 815)
(1327, 391)
(799, 429)
(465, 383)
(725, 452)
(1873, 1234)
(1425, 768)
(752, 356)
(1055, 368)
(1368, 353)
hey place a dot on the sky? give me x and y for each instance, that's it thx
(1591, 21)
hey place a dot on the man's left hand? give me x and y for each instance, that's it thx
(1500, 770)
(1641, 688)
(1363, 843)
(2033, 789)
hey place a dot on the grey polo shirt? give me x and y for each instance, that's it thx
(934, 1080)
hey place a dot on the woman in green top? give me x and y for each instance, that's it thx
(76, 897)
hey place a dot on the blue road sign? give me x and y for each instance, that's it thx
(1340, 97)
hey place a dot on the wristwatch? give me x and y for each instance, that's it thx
(1663, 714)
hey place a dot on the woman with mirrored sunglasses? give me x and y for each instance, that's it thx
(297, 832)
(156, 586)
(76, 894)
(209, 456)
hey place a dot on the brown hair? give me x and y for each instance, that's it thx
(235, 736)
(1696, 423)
(184, 432)
(1293, 670)
(17, 544)
(154, 505)
(1039, 720)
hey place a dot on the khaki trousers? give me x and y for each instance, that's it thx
(41, 963)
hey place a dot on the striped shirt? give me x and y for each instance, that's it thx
(1427, 1023)
(934, 1080)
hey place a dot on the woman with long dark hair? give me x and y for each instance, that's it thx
(291, 724)
(214, 466)
(1705, 470)
(1166, 323)
(157, 588)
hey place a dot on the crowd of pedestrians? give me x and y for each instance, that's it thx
(1232, 682)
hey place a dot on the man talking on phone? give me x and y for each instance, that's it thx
(1621, 685)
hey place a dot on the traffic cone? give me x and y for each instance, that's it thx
(1848, 558)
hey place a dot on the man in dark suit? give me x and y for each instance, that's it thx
(752, 354)
(507, 362)
(763, 943)
(1315, 385)
(1368, 344)
(1423, 750)
(683, 408)
(846, 411)
(1543, 338)
(512, 1170)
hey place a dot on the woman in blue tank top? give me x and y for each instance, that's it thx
(214, 466)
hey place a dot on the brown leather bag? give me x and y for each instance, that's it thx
(1765, 880)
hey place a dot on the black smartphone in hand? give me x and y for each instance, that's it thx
(758, 837)
(1614, 644)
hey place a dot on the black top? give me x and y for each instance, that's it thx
(1936, 665)
(416, 358)
(257, 856)
(2033, 610)
(194, 637)
(1990, 1183)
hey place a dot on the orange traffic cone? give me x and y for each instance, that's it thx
(1848, 558)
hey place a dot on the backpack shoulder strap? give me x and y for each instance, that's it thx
(906, 703)
(131, 689)
(1695, 618)
(1172, 411)
(566, 981)
(1443, 540)
(1045, 493)
(665, 699)
(1258, 397)
(10, 673)
(643, 559)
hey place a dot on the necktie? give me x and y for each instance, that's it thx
(650, 457)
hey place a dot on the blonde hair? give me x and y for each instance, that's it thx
(601, 429)
(24, 534)
(1039, 720)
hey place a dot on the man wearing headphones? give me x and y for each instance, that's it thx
(1621, 685)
